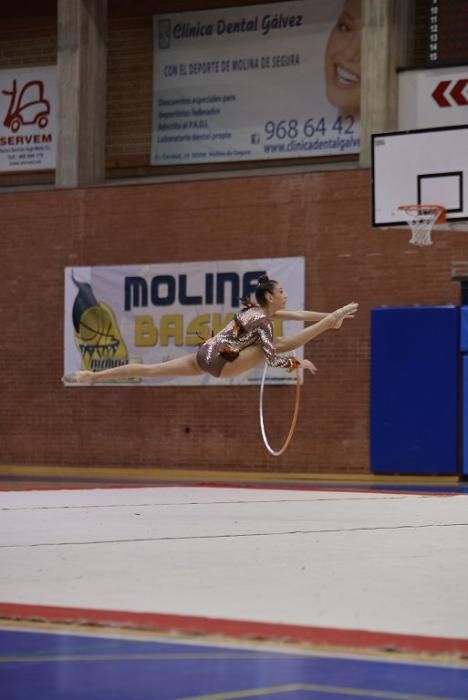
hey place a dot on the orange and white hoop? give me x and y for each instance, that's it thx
(421, 218)
(277, 453)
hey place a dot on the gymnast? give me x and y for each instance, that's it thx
(244, 343)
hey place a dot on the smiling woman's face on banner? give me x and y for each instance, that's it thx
(343, 60)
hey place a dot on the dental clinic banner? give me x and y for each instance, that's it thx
(28, 108)
(251, 83)
(154, 313)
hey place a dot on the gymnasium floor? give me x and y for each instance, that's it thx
(182, 591)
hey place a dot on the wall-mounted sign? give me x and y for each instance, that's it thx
(431, 98)
(28, 105)
(446, 32)
(259, 82)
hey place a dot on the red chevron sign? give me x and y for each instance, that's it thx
(455, 90)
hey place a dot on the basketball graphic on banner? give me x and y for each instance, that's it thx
(97, 334)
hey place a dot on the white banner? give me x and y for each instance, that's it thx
(154, 313)
(258, 82)
(431, 98)
(28, 108)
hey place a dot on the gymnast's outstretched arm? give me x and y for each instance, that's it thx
(307, 316)
(300, 315)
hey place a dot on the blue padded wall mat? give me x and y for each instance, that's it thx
(464, 329)
(414, 390)
(465, 414)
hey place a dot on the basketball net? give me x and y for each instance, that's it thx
(421, 218)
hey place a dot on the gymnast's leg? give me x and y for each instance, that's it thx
(287, 343)
(253, 355)
(249, 358)
(185, 366)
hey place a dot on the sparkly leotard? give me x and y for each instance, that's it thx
(248, 327)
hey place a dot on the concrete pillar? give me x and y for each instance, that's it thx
(386, 26)
(81, 74)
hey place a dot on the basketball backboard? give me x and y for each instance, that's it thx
(425, 166)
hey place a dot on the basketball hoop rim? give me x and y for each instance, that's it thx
(439, 210)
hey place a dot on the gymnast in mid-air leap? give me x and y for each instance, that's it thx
(244, 343)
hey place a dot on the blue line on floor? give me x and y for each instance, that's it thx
(54, 666)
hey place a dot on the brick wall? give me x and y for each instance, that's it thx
(28, 40)
(323, 216)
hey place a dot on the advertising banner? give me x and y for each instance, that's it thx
(154, 313)
(28, 107)
(262, 82)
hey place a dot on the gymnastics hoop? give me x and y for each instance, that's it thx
(277, 453)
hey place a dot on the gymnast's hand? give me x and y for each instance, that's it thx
(307, 364)
(348, 311)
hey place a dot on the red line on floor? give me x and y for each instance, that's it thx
(238, 628)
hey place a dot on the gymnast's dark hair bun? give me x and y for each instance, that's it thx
(265, 286)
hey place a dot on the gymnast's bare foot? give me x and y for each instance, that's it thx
(83, 377)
